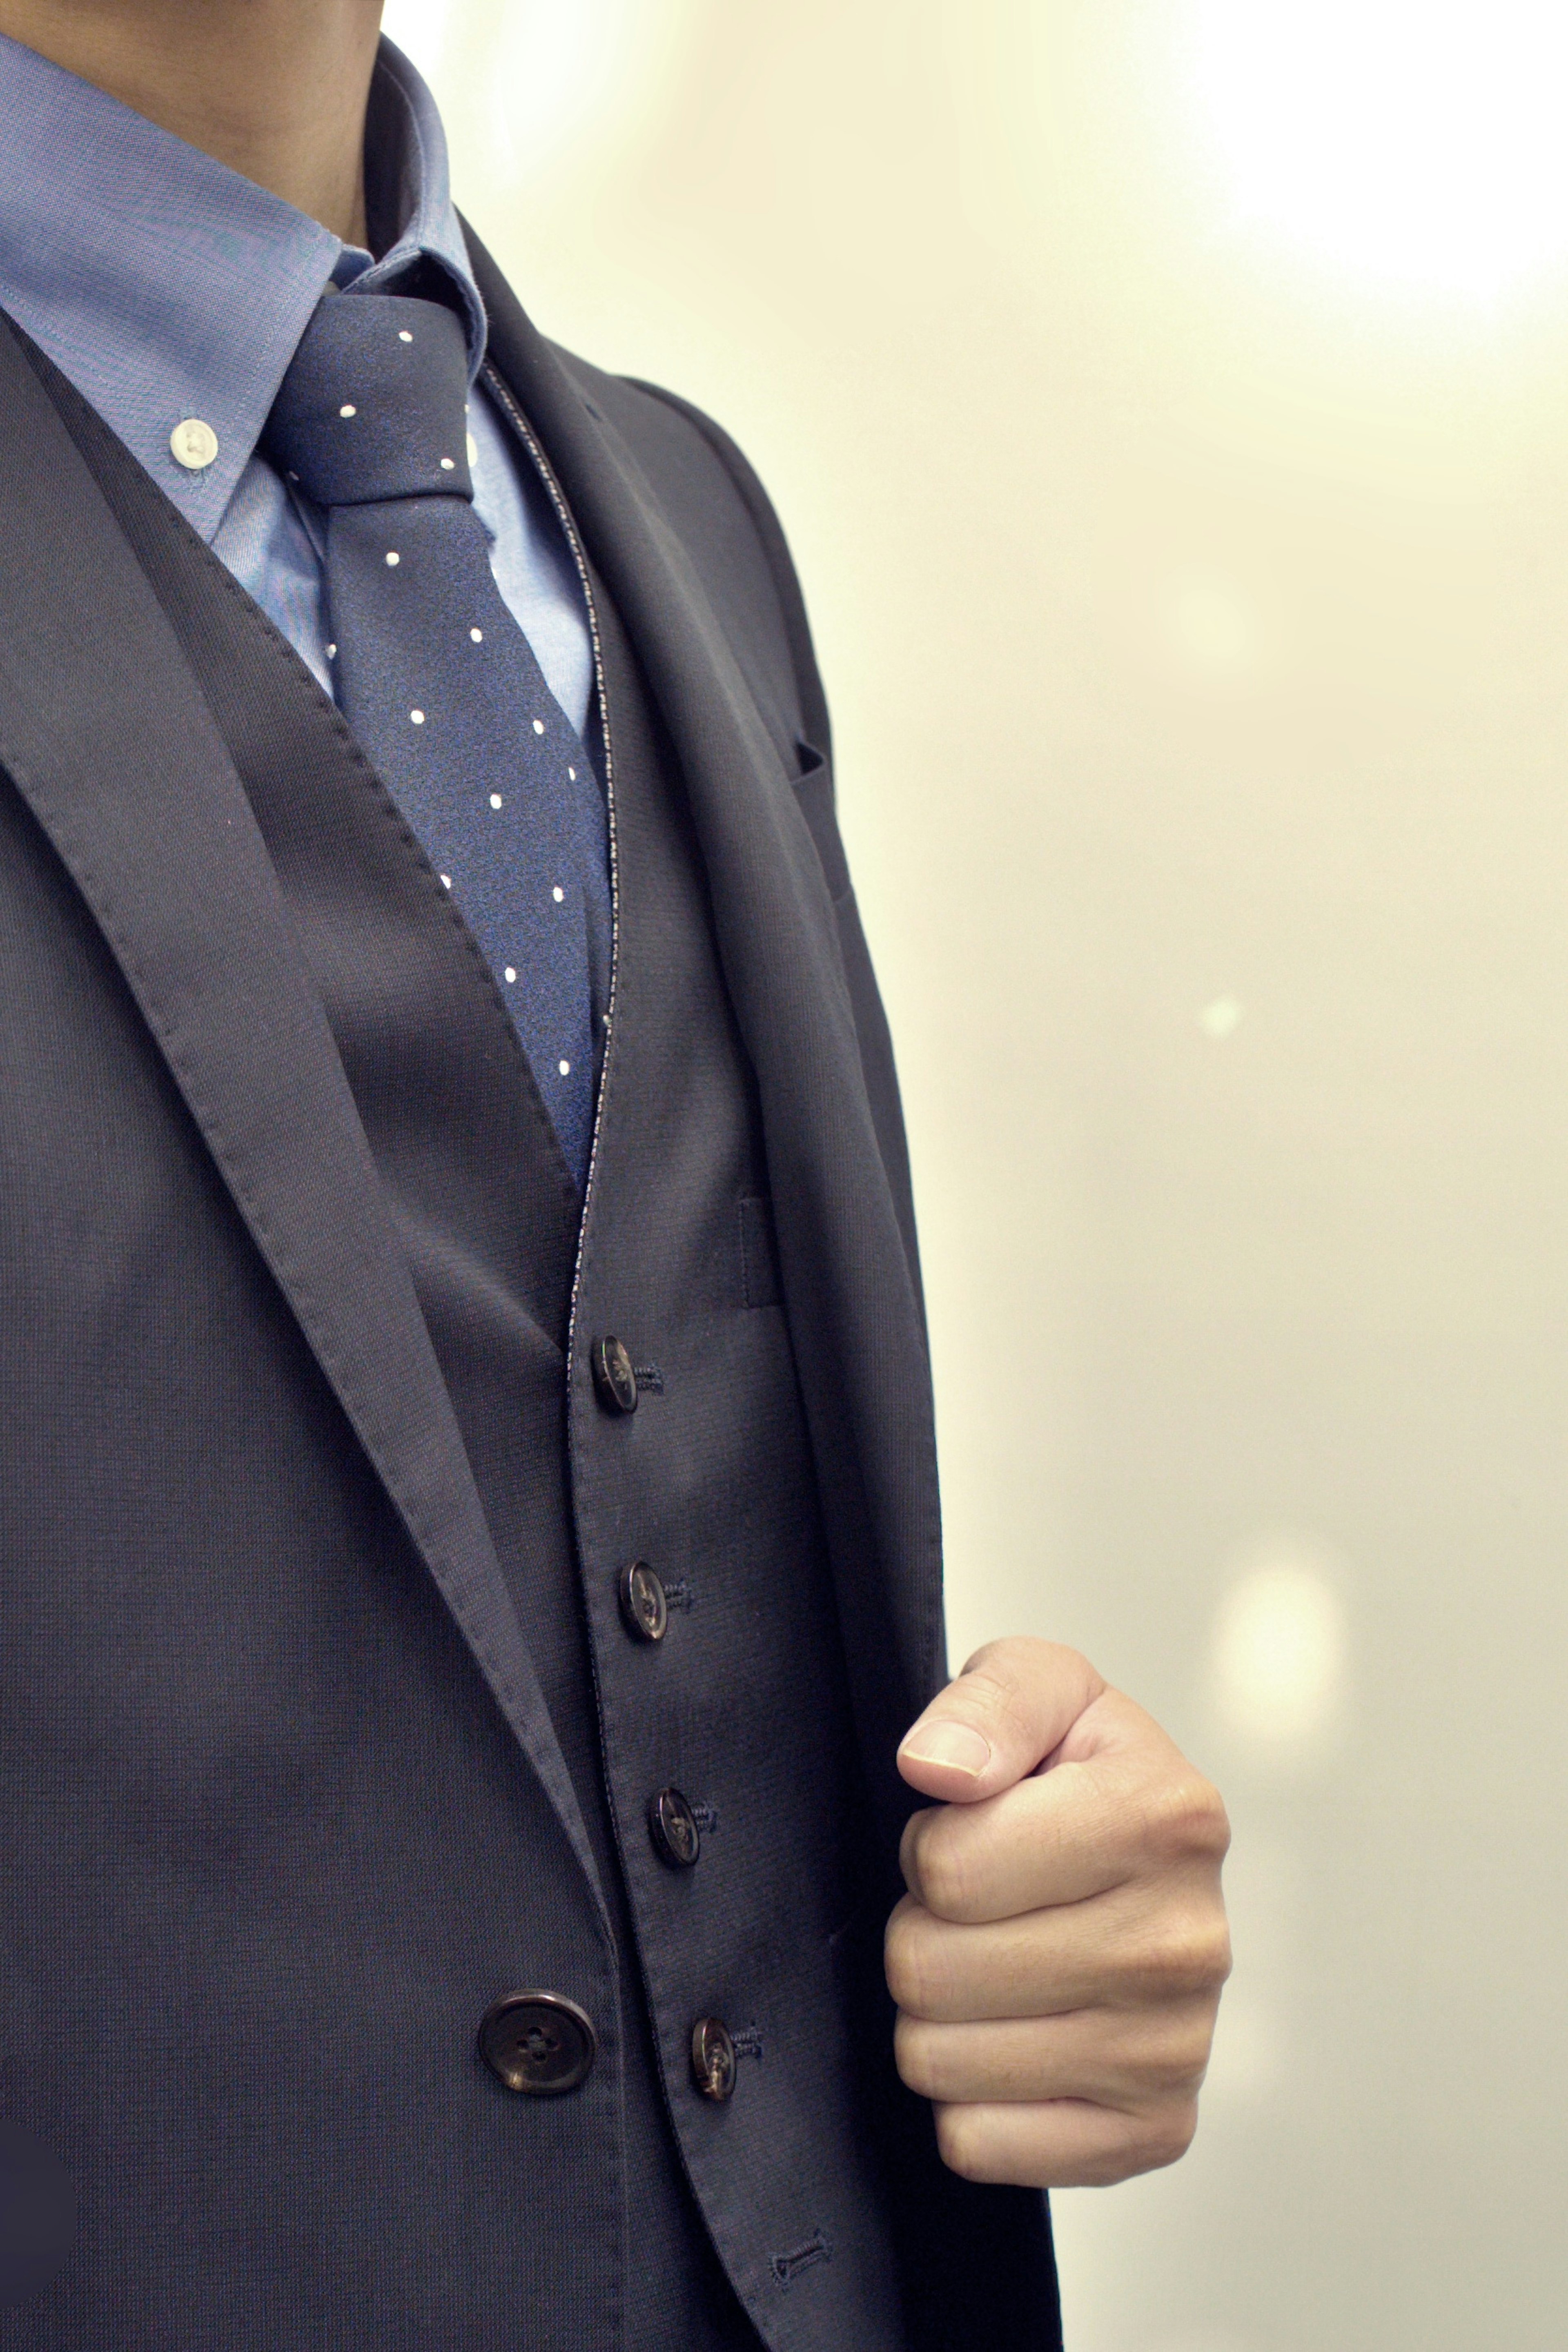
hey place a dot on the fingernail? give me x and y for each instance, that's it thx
(958, 1746)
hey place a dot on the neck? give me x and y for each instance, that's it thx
(274, 89)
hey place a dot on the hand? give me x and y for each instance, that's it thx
(1058, 1957)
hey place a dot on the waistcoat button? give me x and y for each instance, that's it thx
(538, 2043)
(712, 2059)
(645, 1610)
(673, 1827)
(615, 1376)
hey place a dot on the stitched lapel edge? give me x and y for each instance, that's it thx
(159, 536)
(858, 1338)
(91, 679)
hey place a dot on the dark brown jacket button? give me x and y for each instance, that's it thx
(673, 1825)
(538, 2043)
(712, 2059)
(645, 1610)
(614, 1375)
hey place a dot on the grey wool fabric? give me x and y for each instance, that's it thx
(324, 1729)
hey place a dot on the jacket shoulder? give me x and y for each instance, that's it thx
(711, 496)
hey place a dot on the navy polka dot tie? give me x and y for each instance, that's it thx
(437, 681)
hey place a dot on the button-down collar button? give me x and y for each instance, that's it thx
(538, 2043)
(615, 1376)
(644, 1610)
(672, 1825)
(194, 443)
(712, 2059)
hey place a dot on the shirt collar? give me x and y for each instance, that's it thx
(167, 287)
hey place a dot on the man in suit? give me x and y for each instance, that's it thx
(468, 1541)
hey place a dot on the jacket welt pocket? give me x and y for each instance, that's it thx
(814, 791)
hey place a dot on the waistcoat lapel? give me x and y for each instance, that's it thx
(106, 735)
(854, 1319)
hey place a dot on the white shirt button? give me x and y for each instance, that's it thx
(194, 443)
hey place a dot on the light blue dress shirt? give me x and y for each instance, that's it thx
(168, 287)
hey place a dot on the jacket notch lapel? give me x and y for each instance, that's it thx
(854, 1318)
(105, 733)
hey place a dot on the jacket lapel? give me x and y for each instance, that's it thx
(105, 733)
(853, 1317)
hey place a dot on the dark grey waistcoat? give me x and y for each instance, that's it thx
(301, 1789)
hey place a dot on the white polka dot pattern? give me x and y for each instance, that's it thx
(440, 683)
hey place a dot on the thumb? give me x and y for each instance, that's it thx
(1013, 1705)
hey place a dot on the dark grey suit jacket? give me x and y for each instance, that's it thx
(203, 1293)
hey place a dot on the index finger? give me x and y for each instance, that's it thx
(1059, 1837)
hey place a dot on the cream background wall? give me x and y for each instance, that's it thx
(1167, 410)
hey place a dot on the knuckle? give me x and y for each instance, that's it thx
(915, 2058)
(1189, 1954)
(1167, 2135)
(961, 2139)
(1177, 2065)
(993, 1696)
(911, 1851)
(1216, 1956)
(1002, 1681)
(1186, 1820)
(1004, 1661)
(946, 1866)
(897, 1966)
(1018, 1658)
(917, 1976)
(1147, 2143)
(1105, 2167)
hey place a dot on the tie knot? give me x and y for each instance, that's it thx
(374, 403)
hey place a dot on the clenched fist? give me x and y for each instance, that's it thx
(1058, 1957)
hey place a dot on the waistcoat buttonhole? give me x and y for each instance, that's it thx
(787, 2268)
